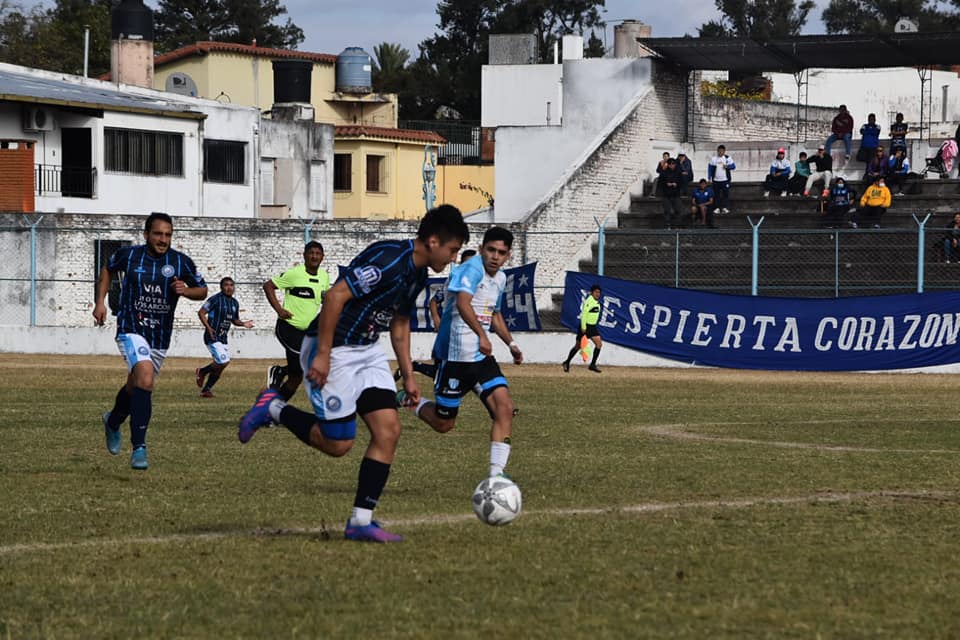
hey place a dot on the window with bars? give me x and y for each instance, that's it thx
(375, 174)
(224, 161)
(341, 172)
(148, 153)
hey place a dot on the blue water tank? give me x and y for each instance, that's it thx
(354, 68)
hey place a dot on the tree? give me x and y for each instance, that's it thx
(758, 19)
(389, 67)
(53, 38)
(178, 23)
(447, 71)
(880, 16)
(594, 48)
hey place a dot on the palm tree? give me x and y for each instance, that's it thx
(389, 69)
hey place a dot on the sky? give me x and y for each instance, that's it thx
(330, 26)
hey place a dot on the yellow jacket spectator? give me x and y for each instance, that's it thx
(876, 195)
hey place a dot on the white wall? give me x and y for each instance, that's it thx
(881, 91)
(531, 159)
(517, 94)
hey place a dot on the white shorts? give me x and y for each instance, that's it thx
(353, 370)
(219, 351)
(134, 348)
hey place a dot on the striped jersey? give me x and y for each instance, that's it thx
(147, 299)
(384, 281)
(221, 312)
(456, 341)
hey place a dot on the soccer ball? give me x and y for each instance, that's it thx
(497, 500)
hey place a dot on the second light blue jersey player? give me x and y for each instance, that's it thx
(456, 341)
(147, 297)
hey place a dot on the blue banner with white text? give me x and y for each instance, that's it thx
(519, 308)
(751, 332)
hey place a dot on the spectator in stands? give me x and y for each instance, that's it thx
(869, 139)
(874, 203)
(898, 170)
(686, 171)
(701, 204)
(898, 134)
(877, 167)
(661, 167)
(797, 183)
(718, 171)
(670, 177)
(779, 176)
(837, 204)
(821, 168)
(842, 129)
(951, 242)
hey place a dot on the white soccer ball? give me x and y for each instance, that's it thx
(497, 501)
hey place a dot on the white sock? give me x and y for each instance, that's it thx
(499, 454)
(361, 517)
(420, 405)
(275, 407)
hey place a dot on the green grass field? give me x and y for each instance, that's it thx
(657, 503)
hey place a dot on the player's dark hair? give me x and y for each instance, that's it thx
(467, 254)
(225, 280)
(313, 244)
(445, 222)
(498, 233)
(156, 215)
(595, 287)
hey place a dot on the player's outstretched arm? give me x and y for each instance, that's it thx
(500, 328)
(400, 340)
(99, 307)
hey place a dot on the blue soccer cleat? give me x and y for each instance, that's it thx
(112, 435)
(138, 459)
(258, 416)
(370, 533)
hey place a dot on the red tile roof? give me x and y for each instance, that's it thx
(203, 48)
(407, 135)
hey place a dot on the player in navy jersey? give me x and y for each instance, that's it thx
(154, 278)
(464, 352)
(347, 372)
(217, 315)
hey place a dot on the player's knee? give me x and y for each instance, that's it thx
(441, 425)
(334, 448)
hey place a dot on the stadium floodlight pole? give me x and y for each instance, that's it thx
(921, 235)
(601, 240)
(755, 272)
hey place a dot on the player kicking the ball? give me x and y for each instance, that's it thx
(463, 348)
(347, 372)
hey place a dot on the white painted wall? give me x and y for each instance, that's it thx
(520, 95)
(881, 91)
(531, 159)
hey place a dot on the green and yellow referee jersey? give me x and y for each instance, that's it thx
(303, 293)
(589, 312)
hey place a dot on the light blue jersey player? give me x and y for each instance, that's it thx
(347, 372)
(463, 350)
(155, 277)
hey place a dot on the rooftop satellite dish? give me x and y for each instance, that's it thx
(906, 25)
(182, 84)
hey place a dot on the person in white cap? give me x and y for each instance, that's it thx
(779, 175)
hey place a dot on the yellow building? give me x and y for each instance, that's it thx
(378, 168)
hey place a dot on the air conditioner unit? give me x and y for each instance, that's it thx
(37, 119)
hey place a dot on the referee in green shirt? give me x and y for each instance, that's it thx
(303, 287)
(589, 317)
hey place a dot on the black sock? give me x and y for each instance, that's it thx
(285, 392)
(141, 406)
(427, 369)
(570, 355)
(121, 408)
(211, 380)
(596, 354)
(370, 483)
(299, 422)
(207, 369)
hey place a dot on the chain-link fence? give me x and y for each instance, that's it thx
(48, 274)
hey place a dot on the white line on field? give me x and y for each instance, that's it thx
(682, 432)
(650, 507)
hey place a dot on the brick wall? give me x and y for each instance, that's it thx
(16, 177)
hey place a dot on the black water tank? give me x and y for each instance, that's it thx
(291, 80)
(132, 20)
